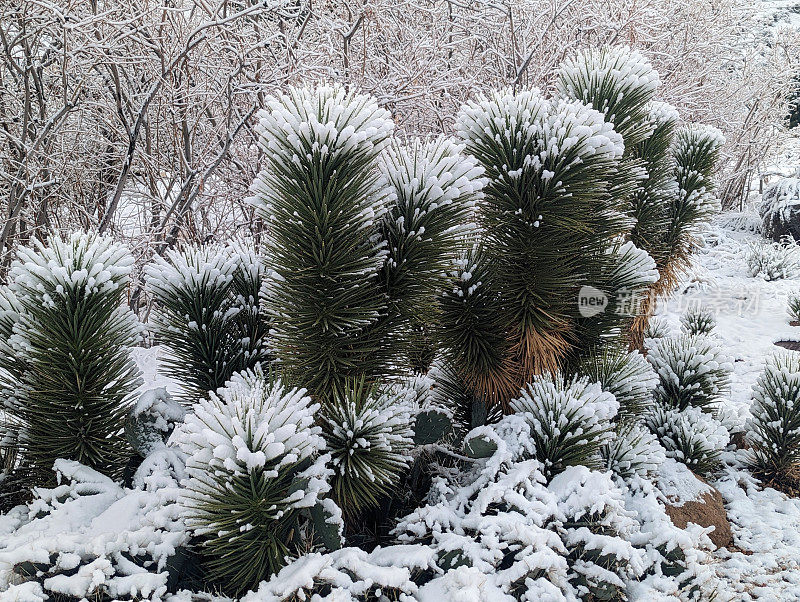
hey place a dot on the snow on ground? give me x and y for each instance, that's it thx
(751, 316)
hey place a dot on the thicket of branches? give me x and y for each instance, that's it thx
(137, 117)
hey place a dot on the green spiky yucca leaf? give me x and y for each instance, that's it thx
(774, 429)
(369, 435)
(254, 462)
(322, 196)
(698, 320)
(68, 372)
(690, 436)
(206, 312)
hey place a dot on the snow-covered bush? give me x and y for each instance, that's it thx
(692, 372)
(690, 436)
(88, 538)
(794, 306)
(569, 419)
(698, 321)
(151, 421)
(206, 313)
(254, 464)
(634, 450)
(67, 372)
(517, 536)
(369, 437)
(626, 375)
(774, 429)
(773, 260)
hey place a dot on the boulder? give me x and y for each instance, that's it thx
(780, 210)
(690, 499)
(707, 511)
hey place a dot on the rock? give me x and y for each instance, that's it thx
(708, 511)
(690, 499)
(780, 210)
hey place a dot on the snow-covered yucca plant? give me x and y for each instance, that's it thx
(360, 231)
(690, 436)
(633, 450)
(65, 356)
(254, 461)
(774, 429)
(569, 420)
(657, 328)
(692, 372)
(626, 375)
(549, 221)
(793, 306)
(369, 436)
(773, 260)
(698, 320)
(206, 313)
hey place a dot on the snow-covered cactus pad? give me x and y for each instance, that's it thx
(254, 461)
(369, 436)
(594, 527)
(774, 429)
(88, 538)
(690, 436)
(633, 451)
(698, 320)
(617, 81)
(323, 196)
(65, 353)
(626, 375)
(569, 420)
(203, 313)
(692, 372)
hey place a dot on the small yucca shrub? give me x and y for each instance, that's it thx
(692, 372)
(690, 436)
(794, 306)
(253, 463)
(206, 313)
(626, 375)
(657, 328)
(773, 260)
(633, 451)
(570, 419)
(369, 437)
(698, 321)
(67, 370)
(774, 429)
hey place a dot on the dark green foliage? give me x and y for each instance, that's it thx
(774, 429)
(207, 314)
(626, 375)
(569, 420)
(369, 435)
(690, 436)
(794, 306)
(67, 370)
(254, 468)
(692, 372)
